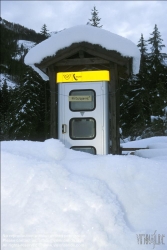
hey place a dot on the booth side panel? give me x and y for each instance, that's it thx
(61, 111)
(106, 118)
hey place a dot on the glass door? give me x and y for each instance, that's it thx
(82, 100)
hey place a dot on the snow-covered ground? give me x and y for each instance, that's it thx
(27, 45)
(57, 198)
(10, 83)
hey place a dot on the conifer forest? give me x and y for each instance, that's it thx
(25, 104)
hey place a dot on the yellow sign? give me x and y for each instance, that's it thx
(83, 76)
(80, 98)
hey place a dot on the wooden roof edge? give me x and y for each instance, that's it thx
(93, 49)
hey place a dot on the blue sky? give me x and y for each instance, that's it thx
(126, 18)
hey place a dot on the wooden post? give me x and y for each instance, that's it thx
(114, 109)
(53, 103)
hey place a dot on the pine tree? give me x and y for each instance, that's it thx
(157, 82)
(142, 83)
(44, 31)
(5, 99)
(8, 44)
(156, 59)
(135, 113)
(28, 108)
(95, 20)
(144, 55)
(133, 107)
(144, 96)
(156, 45)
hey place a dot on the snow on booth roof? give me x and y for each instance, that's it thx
(84, 33)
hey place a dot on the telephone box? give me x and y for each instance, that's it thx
(83, 117)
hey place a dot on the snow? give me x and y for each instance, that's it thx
(57, 198)
(152, 153)
(144, 143)
(26, 44)
(10, 83)
(42, 74)
(84, 33)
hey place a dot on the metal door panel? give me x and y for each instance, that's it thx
(100, 114)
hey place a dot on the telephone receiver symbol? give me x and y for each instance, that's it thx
(75, 77)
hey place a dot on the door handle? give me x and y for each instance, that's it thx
(64, 128)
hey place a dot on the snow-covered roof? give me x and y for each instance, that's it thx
(84, 33)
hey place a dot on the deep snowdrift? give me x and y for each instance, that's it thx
(57, 198)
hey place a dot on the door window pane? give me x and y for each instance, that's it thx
(82, 100)
(87, 149)
(82, 128)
